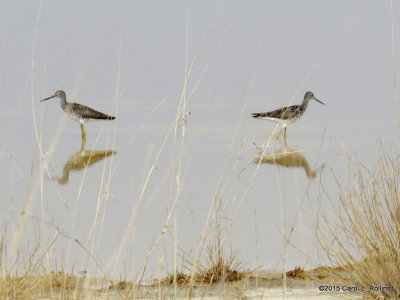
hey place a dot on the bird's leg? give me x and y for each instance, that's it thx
(83, 144)
(285, 132)
(83, 132)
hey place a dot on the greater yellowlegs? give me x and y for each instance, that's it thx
(79, 112)
(288, 114)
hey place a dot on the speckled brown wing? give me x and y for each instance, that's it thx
(89, 113)
(283, 113)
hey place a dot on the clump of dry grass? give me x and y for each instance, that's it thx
(122, 285)
(26, 279)
(366, 232)
(29, 286)
(220, 268)
(180, 278)
(216, 268)
(297, 273)
(60, 280)
(323, 272)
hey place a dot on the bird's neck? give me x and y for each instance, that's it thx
(305, 103)
(63, 103)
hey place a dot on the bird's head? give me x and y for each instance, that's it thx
(59, 94)
(310, 96)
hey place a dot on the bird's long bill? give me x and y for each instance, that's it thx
(319, 101)
(47, 98)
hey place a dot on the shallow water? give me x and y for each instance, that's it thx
(97, 195)
(146, 191)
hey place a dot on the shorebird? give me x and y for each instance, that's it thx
(79, 112)
(288, 114)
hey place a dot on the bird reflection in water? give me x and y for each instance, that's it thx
(82, 160)
(288, 158)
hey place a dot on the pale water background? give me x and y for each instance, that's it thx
(129, 59)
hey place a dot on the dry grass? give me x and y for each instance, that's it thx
(366, 232)
(323, 272)
(122, 286)
(216, 269)
(220, 268)
(180, 278)
(30, 286)
(297, 273)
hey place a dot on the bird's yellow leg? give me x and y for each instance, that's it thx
(83, 132)
(83, 144)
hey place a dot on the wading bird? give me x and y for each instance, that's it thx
(288, 114)
(79, 112)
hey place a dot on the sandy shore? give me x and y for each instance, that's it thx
(266, 285)
(259, 285)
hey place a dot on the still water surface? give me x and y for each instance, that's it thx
(123, 196)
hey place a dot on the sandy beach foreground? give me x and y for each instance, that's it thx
(263, 285)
